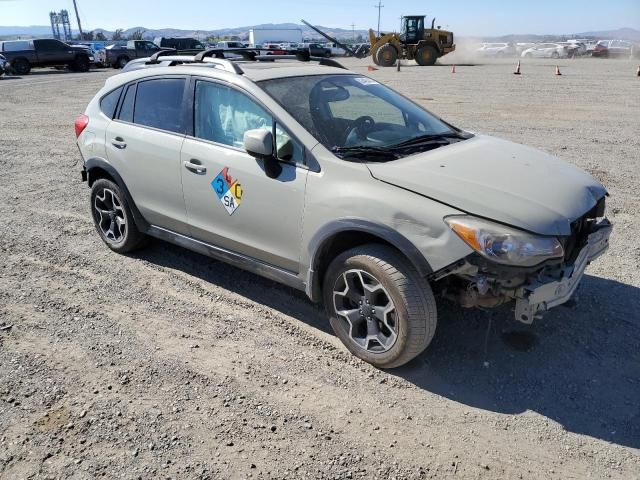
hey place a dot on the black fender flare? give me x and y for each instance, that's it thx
(97, 162)
(326, 233)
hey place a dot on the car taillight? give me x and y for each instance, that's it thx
(80, 124)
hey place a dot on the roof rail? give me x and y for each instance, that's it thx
(215, 56)
(155, 56)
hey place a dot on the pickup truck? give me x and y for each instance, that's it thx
(119, 55)
(22, 55)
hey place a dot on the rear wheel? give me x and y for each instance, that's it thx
(379, 306)
(386, 56)
(555, 55)
(426, 56)
(122, 61)
(21, 66)
(113, 218)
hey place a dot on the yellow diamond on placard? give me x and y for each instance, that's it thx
(236, 191)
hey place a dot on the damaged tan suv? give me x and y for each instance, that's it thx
(332, 183)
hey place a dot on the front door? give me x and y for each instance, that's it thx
(230, 201)
(144, 142)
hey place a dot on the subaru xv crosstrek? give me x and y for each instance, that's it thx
(330, 182)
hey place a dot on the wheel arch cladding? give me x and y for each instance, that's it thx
(341, 235)
(99, 168)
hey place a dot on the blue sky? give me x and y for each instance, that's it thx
(465, 17)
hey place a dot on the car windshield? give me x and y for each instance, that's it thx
(356, 114)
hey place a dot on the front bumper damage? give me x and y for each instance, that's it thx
(554, 287)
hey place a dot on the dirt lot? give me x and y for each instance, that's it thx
(167, 364)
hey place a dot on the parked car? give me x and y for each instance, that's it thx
(275, 49)
(227, 44)
(522, 46)
(97, 50)
(496, 49)
(546, 50)
(613, 48)
(335, 49)
(23, 55)
(3, 65)
(327, 181)
(118, 56)
(179, 43)
(315, 49)
(576, 47)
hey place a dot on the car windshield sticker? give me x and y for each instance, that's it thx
(229, 191)
(366, 81)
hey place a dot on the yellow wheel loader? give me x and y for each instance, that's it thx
(415, 42)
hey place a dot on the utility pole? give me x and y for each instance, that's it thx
(353, 32)
(78, 18)
(379, 6)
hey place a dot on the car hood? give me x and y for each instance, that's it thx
(498, 180)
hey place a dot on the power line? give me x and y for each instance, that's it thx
(379, 6)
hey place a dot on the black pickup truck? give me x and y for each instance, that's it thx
(119, 55)
(22, 55)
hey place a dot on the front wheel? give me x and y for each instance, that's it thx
(113, 218)
(81, 63)
(379, 306)
(426, 56)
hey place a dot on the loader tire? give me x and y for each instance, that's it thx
(426, 56)
(386, 56)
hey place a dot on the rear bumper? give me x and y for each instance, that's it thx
(555, 288)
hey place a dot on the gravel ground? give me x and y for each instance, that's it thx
(165, 364)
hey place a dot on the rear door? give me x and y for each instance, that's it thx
(230, 201)
(144, 142)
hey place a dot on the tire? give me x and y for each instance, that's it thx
(426, 56)
(81, 64)
(411, 321)
(122, 61)
(21, 66)
(555, 55)
(107, 203)
(528, 55)
(386, 56)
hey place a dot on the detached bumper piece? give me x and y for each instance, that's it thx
(553, 288)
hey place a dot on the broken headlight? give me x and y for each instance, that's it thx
(504, 244)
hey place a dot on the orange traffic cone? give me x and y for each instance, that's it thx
(371, 69)
(453, 68)
(517, 72)
(558, 70)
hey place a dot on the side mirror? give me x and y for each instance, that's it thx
(259, 144)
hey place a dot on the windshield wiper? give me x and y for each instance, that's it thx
(365, 152)
(428, 138)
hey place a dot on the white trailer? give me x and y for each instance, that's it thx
(259, 36)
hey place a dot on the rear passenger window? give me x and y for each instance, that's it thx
(159, 104)
(126, 109)
(109, 102)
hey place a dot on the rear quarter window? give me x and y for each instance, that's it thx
(109, 102)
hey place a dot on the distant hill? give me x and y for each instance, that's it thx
(242, 32)
(631, 34)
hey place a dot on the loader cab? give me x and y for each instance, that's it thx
(412, 29)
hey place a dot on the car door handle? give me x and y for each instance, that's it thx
(118, 142)
(195, 166)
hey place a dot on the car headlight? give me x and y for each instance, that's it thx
(503, 244)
